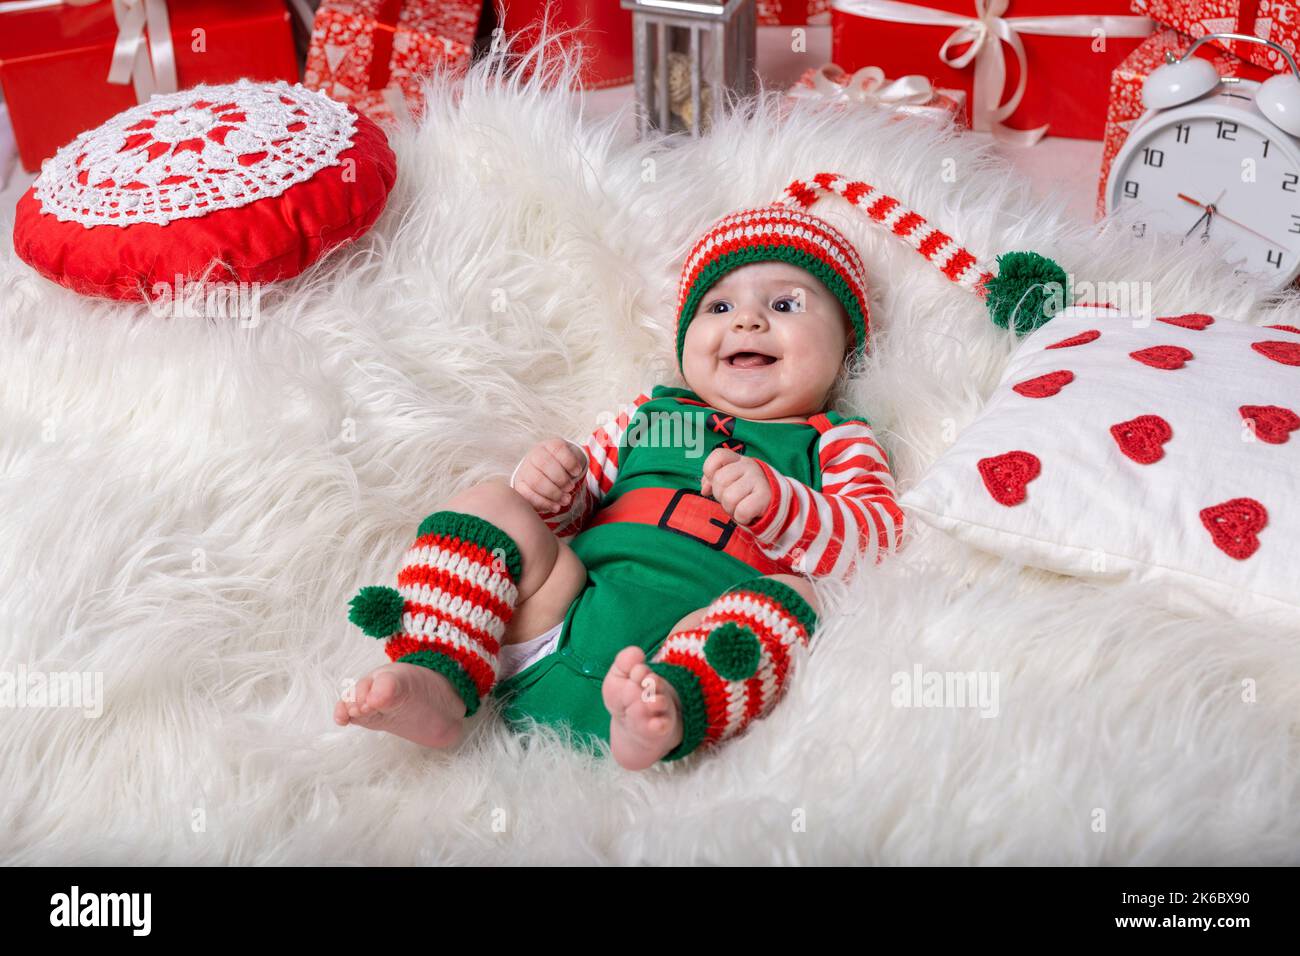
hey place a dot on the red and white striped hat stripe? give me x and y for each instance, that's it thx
(940, 249)
(781, 223)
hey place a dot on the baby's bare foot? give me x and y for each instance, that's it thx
(407, 700)
(645, 715)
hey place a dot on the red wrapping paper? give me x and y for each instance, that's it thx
(791, 12)
(54, 62)
(1068, 80)
(1126, 81)
(374, 54)
(1276, 20)
(606, 37)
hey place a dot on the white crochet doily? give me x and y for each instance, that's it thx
(187, 154)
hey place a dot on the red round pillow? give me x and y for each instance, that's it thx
(247, 182)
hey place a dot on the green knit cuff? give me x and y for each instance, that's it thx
(784, 595)
(695, 719)
(468, 527)
(449, 668)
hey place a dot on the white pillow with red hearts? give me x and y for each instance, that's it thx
(1164, 450)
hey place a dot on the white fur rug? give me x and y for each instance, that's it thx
(188, 505)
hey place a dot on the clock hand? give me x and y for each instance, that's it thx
(1204, 217)
(1212, 210)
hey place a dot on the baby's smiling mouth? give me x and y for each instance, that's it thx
(749, 360)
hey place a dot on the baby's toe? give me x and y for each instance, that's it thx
(359, 694)
(627, 659)
(341, 713)
(383, 692)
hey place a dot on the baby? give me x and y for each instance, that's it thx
(647, 588)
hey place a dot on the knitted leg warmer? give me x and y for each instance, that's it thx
(455, 594)
(733, 667)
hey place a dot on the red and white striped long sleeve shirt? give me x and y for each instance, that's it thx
(825, 533)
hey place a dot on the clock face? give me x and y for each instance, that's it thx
(1229, 178)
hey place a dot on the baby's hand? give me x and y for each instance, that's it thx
(549, 475)
(737, 483)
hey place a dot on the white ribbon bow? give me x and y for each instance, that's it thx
(150, 65)
(868, 85)
(987, 109)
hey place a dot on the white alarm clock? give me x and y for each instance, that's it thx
(1217, 159)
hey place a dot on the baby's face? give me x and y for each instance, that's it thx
(766, 343)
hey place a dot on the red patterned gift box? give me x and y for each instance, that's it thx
(56, 59)
(373, 54)
(791, 12)
(1276, 20)
(604, 30)
(1126, 90)
(1028, 66)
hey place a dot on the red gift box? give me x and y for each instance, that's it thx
(55, 62)
(1069, 48)
(791, 12)
(374, 54)
(1276, 20)
(605, 32)
(1126, 81)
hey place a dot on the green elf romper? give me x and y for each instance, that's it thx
(655, 550)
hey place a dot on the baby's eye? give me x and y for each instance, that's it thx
(718, 307)
(787, 303)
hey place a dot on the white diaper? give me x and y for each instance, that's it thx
(515, 657)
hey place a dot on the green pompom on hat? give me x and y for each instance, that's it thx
(1027, 292)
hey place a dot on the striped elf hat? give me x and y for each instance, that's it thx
(1022, 295)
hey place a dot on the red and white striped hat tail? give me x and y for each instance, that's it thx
(938, 248)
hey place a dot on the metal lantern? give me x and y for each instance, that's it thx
(689, 54)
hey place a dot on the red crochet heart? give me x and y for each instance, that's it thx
(1270, 423)
(1005, 476)
(1288, 353)
(1083, 338)
(1284, 328)
(1163, 356)
(1198, 321)
(1143, 438)
(1044, 386)
(1234, 526)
